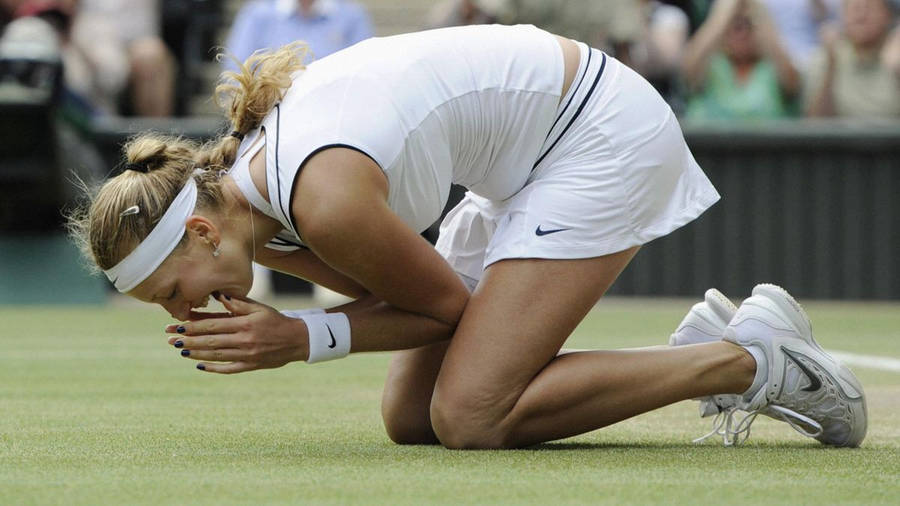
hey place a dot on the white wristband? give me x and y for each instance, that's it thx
(329, 336)
(297, 313)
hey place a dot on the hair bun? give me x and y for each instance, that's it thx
(142, 167)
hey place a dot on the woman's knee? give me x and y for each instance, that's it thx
(407, 394)
(461, 422)
(405, 423)
(405, 430)
(149, 56)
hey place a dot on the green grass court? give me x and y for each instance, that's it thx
(95, 408)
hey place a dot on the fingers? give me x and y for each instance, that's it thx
(197, 316)
(202, 315)
(200, 322)
(228, 368)
(218, 339)
(207, 342)
(209, 325)
(217, 355)
(240, 306)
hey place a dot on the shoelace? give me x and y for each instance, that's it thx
(735, 434)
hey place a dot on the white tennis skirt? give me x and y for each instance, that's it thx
(614, 172)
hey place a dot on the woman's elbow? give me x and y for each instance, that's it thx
(451, 306)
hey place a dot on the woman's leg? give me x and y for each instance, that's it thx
(502, 384)
(152, 77)
(406, 401)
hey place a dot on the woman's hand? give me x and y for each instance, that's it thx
(251, 336)
(890, 52)
(723, 12)
(830, 35)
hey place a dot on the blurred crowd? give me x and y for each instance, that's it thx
(731, 59)
(113, 58)
(710, 59)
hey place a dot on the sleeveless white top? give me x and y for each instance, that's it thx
(466, 105)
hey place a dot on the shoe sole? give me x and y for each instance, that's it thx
(791, 309)
(720, 305)
(715, 305)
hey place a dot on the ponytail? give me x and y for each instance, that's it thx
(248, 95)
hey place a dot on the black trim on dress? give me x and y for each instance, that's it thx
(574, 116)
(300, 167)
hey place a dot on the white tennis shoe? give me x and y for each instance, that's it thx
(806, 387)
(705, 323)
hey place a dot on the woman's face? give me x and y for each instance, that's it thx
(866, 21)
(740, 39)
(191, 274)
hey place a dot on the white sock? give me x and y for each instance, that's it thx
(762, 371)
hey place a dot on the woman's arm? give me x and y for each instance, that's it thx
(821, 76)
(707, 40)
(305, 264)
(254, 336)
(890, 53)
(340, 207)
(370, 315)
(770, 42)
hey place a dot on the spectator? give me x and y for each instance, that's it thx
(95, 63)
(103, 56)
(151, 81)
(857, 72)
(461, 12)
(658, 52)
(30, 63)
(799, 22)
(326, 26)
(47, 134)
(735, 66)
(611, 25)
(696, 10)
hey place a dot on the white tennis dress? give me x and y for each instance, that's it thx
(595, 172)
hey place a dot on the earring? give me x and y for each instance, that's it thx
(216, 251)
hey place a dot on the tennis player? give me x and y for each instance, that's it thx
(572, 162)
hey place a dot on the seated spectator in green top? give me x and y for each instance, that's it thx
(857, 71)
(735, 67)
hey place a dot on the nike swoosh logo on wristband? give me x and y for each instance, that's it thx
(333, 341)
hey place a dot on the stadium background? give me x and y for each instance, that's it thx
(807, 203)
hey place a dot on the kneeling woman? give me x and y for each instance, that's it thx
(571, 160)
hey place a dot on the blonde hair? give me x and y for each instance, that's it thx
(165, 163)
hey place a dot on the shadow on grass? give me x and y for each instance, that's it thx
(652, 445)
(375, 448)
(663, 445)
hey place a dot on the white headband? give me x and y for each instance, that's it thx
(153, 250)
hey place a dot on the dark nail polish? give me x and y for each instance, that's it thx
(180, 329)
(178, 344)
(201, 367)
(185, 353)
